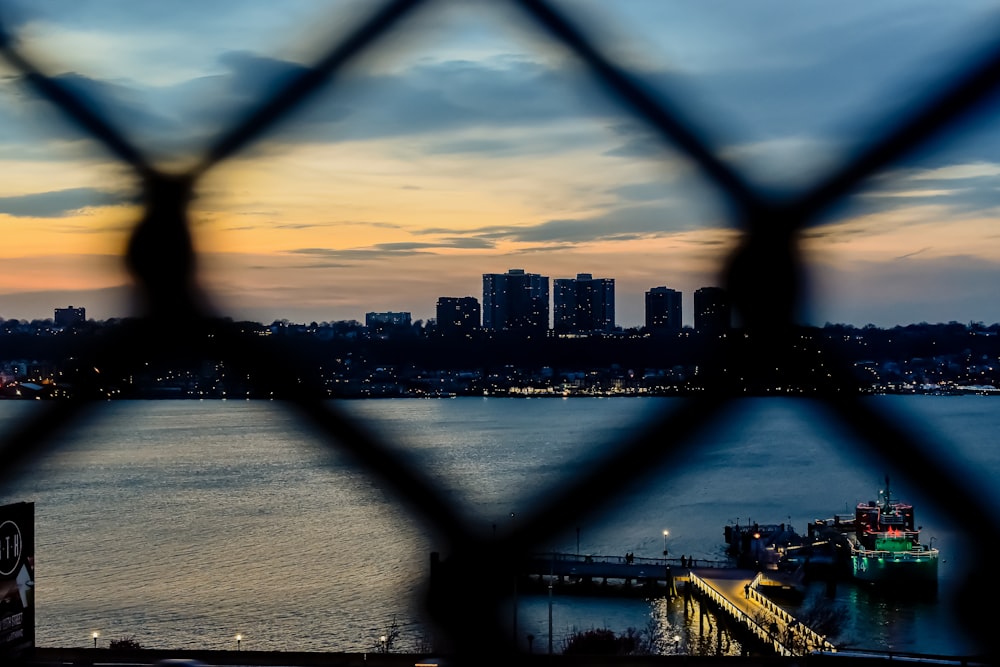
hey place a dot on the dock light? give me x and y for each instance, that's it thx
(665, 533)
(95, 635)
(239, 638)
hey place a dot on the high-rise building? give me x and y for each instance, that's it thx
(65, 317)
(583, 305)
(663, 310)
(457, 315)
(713, 311)
(563, 305)
(516, 302)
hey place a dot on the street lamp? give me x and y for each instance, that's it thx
(665, 533)
(96, 635)
(239, 639)
(550, 616)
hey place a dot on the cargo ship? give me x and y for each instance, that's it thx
(886, 548)
(879, 545)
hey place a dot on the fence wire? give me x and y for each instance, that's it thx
(764, 275)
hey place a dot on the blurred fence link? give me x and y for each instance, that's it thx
(763, 275)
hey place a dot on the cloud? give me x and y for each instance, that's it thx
(335, 224)
(959, 172)
(461, 146)
(839, 78)
(424, 98)
(600, 228)
(395, 249)
(639, 141)
(469, 243)
(60, 203)
(427, 98)
(123, 107)
(948, 193)
(820, 74)
(624, 223)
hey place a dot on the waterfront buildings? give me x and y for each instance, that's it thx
(516, 302)
(379, 322)
(583, 305)
(519, 302)
(457, 316)
(663, 311)
(712, 310)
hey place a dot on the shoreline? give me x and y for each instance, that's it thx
(776, 393)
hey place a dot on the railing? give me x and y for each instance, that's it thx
(726, 606)
(799, 635)
(764, 276)
(636, 560)
(919, 552)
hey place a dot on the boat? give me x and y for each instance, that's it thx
(760, 546)
(886, 548)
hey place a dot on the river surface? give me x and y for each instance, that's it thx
(184, 523)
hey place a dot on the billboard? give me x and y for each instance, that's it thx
(17, 579)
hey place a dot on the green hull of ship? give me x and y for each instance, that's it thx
(897, 572)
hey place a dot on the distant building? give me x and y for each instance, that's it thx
(457, 316)
(516, 302)
(379, 322)
(663, 310)
(67, 317)
(713, 311)
(583, 305)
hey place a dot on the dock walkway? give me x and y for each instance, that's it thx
(736, 593)
(729, 590)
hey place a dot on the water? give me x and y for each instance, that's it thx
(184, 523)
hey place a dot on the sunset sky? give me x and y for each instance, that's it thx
(469, 143)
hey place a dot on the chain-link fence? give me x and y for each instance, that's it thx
(763, 275)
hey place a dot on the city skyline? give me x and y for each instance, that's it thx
(475, 144)
(711, 310)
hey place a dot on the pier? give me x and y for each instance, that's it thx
(603, 570)
(735, 593)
